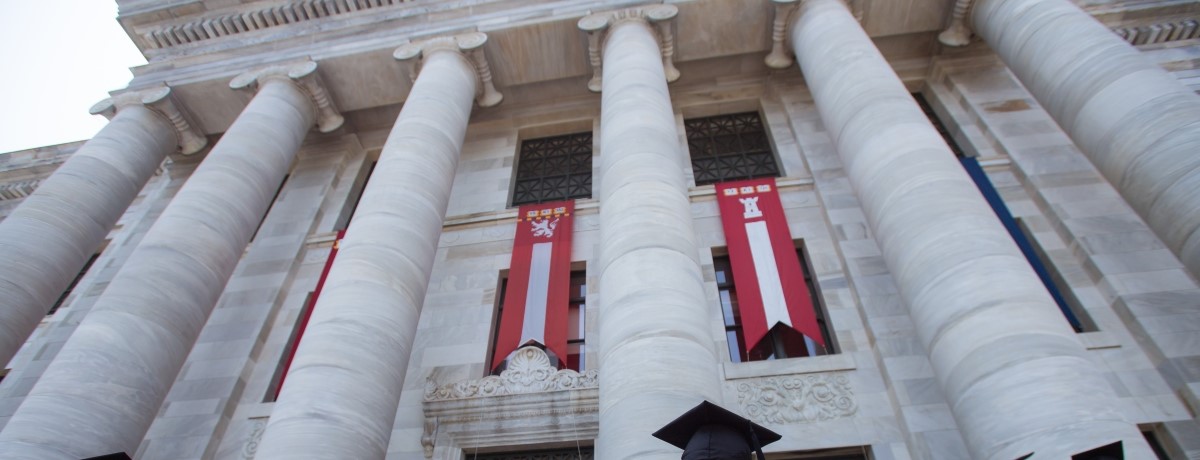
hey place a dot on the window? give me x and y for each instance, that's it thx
(576, 322)
(553, 169)
(306, 309)
(781, 342)
(729, 147)
(74, 282)
(1055, 284)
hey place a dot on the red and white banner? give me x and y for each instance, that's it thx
(539, 281)
(770, 284)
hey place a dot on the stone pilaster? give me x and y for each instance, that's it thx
(656, 354)
(104, 388)
(1016, 377)
(344, 384)
(48, 239)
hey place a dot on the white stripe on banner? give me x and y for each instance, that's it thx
(534, 326)
(774, 303)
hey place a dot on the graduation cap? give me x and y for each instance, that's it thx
(1114, 451)
(116, 456)
(709, 432)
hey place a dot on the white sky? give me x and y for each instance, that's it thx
(58, 57)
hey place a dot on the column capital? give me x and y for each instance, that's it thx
(160, 101)
(780, 57)
(304, 75)
(958, 34)
(659, 17)
(469, 46)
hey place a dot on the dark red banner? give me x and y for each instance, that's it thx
(539, 281)
(770, 283)
(308, 309)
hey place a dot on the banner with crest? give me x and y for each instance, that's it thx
(539, 278)
(770, 283)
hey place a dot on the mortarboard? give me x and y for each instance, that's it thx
(116, 456)
(709, 432)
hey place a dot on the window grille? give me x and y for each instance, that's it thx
(553, 169)
(729, 147)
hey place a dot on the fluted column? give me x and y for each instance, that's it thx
(104, 388)
(655, 344)
(1016, 377)
(343, 387)
(48, 239)
(1133, 120)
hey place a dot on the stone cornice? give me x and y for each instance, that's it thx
(233, 23)
(660, 17)
(470, 46)
(159, 101)
(1145, 32)
(304, 75)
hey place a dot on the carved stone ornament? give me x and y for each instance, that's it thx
(530, 403)
(304, 75)
(958, 34)
(471, 47)
(160, 101)
(797, 398)
(780, 57)
(257, 427)
(660, 17)
(529, 371)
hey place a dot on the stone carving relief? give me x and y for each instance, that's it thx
(797, 398)
(529, 371)
(257, 427)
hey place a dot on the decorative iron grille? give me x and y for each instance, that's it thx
(554, 168)
(729, 147)
(582, 453)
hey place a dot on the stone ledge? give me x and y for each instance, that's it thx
(810, 365)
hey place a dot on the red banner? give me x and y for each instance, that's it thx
(539, 282)
(307, 313)
(770, 284)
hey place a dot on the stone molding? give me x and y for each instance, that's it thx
(780, 56)
(529, 371)
(304, 75)
(659, 17)
(797, 398)
(16, 190)
(531, 402)
(257, 428)
(468, 45)
(288, 13)
(160, 101)
(1159, 32)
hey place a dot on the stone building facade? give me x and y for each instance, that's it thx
(1038, 294)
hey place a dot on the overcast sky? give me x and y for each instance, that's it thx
(59, 58)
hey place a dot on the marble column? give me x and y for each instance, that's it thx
(344, 384)
(656, 350)
(104, 388)
(1135, 121)
(1016, 377)
(48, 239)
